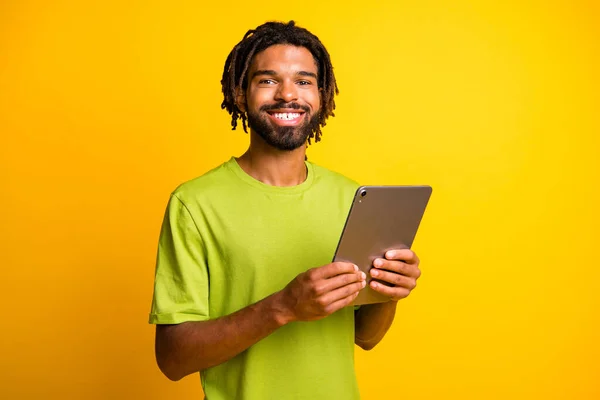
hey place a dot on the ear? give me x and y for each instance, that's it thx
(240, 99)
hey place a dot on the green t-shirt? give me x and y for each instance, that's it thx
(228, 241)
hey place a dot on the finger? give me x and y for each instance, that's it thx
(339, 304)
(341, 293)
(339, 281)
(394, 278)
(394, 293)
(333, 269)
(405, 255)
(399, 267)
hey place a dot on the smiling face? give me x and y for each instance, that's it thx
(282, 99)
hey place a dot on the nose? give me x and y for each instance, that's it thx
(287, 91)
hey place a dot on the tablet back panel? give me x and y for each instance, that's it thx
(381, 218)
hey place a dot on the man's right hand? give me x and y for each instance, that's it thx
(312, 295)
(321, 291)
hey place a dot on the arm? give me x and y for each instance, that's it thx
(372, 322)
(400, 269)
(194, 346)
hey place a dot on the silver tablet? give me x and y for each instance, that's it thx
(381, 218)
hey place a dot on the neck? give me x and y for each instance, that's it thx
(272, 166)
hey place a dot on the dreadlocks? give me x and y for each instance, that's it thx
(235, 73)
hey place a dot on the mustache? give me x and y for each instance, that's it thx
(280, 105)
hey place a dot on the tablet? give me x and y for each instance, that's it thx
(381, 218)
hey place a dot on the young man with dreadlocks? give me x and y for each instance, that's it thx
(245, 291)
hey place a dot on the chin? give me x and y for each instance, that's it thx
(283, 139)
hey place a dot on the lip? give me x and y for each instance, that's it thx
(291, 122)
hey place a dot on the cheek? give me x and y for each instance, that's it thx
(314, 99)
(256, 98)
(251, 105)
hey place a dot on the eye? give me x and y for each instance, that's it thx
(303, 83)
(266, 82)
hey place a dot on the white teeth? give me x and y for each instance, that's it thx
(286, 116)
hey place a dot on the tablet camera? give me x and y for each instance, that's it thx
(363, 193)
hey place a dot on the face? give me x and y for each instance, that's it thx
(282, 99)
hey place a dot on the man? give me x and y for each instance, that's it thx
(245, 291)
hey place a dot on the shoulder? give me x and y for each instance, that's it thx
(211, 182)
(326, 176)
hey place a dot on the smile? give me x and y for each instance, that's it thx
(286, 116)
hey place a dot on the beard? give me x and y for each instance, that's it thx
(283, 137)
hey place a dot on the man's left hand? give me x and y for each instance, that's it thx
(399, 269)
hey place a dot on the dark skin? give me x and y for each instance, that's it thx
(400, 270)
(190, 347)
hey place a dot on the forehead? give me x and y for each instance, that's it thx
(283, 58)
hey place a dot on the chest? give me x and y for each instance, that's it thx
(259, 248)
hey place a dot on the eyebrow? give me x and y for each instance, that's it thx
(306, 73)
(270, 72)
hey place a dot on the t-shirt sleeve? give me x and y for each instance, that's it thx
(181, 277)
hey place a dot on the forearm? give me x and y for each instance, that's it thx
(194, 346)
(372, 321)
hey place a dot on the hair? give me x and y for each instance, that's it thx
(235, 73)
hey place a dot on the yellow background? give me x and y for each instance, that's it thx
(106, 106)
